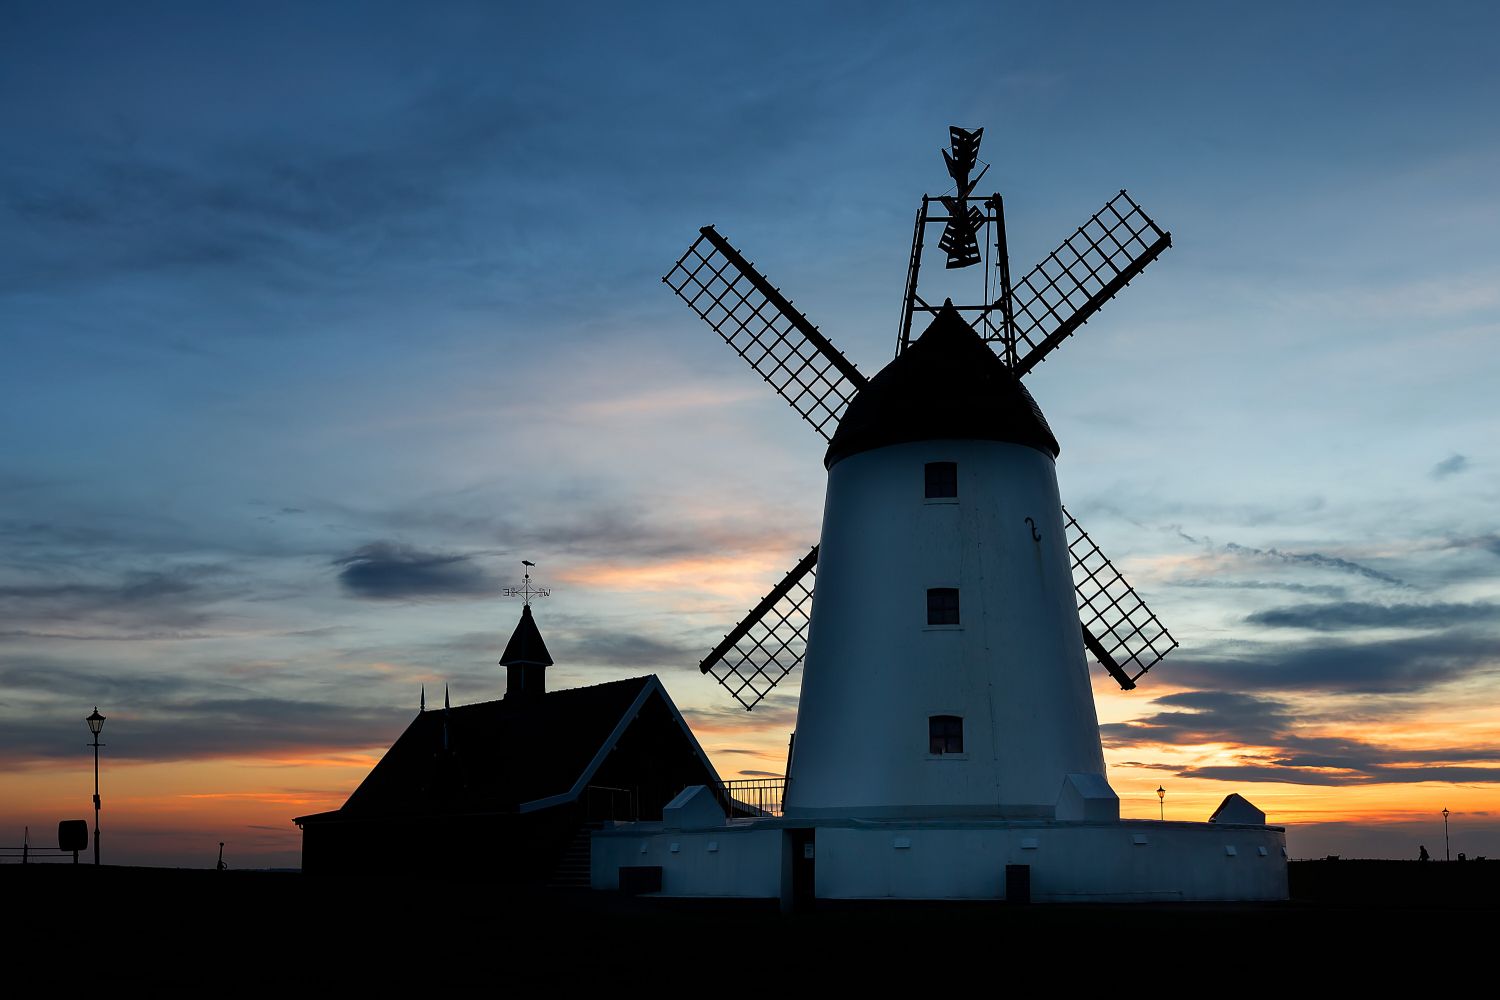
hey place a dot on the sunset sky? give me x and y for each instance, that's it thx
(318, 318)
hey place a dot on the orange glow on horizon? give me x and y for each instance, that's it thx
(737, 577)
(155, 812)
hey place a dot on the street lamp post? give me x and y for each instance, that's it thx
(1161, 797)
(96, 723)
(1445, 835)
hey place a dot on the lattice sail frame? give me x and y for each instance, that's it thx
(1090, 267)
(764, 328)
(1123, 634)
(770, 641)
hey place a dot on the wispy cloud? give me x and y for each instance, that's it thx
(189, 728)
(624, 649)
(1315, 559)
(1320, 776)
(578, 521)
(1450, 466)
(1319, 589)
(727, 576)
(44, 677)
(776, 713)
(266, 208)
(665, 401)
(1485, 543)
(155, 602)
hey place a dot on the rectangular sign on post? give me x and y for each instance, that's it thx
(73, 835)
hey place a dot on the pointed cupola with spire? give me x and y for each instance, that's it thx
(525, 660)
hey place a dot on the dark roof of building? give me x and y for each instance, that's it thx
(498, 755)
(526, 645)
(948, 384)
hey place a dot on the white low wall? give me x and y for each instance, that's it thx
(1122, 861)
(1083, 862)
(736, 861)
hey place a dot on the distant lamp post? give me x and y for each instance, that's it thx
(1445, 835)
(96, 724)
(1161, 798)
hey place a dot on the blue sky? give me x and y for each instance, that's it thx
(318, 318)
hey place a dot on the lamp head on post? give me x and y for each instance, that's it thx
(95, 721)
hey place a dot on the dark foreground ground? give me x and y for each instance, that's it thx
(1348, 919)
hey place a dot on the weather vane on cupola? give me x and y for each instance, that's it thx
(526, 591)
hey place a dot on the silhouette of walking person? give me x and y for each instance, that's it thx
(1424, 856)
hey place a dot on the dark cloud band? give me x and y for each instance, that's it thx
(390, 571)
(1360, 615)
(1275, 750)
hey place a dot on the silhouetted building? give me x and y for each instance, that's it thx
(510, 789)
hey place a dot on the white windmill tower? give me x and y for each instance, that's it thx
(945, 687)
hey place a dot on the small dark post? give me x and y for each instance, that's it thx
(1161, 798)
(1446, 856)
(221, 865)
(96, 723)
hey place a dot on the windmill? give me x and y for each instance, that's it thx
(946, 730)
(941, 478)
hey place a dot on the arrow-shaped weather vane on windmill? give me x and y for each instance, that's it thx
(1022, 323)
(526, 591)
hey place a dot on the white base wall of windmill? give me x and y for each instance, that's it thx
(1122, 861)
(1013, 669)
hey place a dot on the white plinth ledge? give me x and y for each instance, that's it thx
(961, 858)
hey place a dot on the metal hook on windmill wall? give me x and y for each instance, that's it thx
(1034, 536)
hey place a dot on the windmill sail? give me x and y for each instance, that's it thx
(766, 330)
(771, 640)
(1124, 635)
(1076, 279)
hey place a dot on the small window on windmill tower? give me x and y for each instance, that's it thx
(942, 480)
(942, 606)
(945, 734)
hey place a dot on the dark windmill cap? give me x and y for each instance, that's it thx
(948, 384)
(526, 647)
